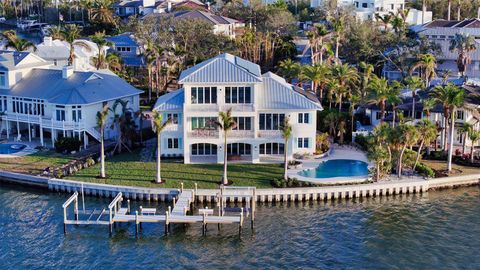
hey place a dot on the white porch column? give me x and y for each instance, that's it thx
(255, 153)
(18, 128)
(186, 152)
(85, 140)
(41, 130)
(29, 131)
(53, 136)
(8, 129)
(63, 128)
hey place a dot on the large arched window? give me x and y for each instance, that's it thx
(203, 149)
(272, 149)
(239, 149)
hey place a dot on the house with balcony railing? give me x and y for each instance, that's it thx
(260, 103)
(39, 101)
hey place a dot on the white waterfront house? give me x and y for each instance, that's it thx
(259, 103)
(39, 101)
(58, 52)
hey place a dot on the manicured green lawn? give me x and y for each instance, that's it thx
(126, 169)
(442, 165)
(33, 164)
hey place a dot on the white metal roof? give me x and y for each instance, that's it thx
(170, 102)
(224, 68)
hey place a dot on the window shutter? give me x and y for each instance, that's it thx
(165, 143)
(180, 122)
(180, 143)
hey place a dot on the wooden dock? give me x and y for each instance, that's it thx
(182, 205)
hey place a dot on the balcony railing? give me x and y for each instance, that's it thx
(241, 134)
(269, 133)
(45, 122)
(203, 133)
(238, 107)
(202, 108)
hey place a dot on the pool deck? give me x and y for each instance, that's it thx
(337, 152)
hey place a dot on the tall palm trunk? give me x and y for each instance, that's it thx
(445, 135)
(449, 9)
(450, 148)
(464, 145)
(102, 154)
(337, 46)
(399, 165)
(382, 110)
(225, 179)
(471, 152)
(418, 154)
(158, 178)
(285, 165)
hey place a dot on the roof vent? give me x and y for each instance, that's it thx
(67, 71)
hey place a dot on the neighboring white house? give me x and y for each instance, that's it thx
(366, 9)
(126, 8)
(58, 52)
(38, 101)
(469, 114)
(259, 103)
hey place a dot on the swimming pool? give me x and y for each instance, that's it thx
(11, 148)
(337, 168)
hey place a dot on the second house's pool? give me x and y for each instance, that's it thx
(9, 148)
(337, 168)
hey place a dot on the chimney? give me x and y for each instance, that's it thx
(67, 71)
(169, 6)
(48, 41)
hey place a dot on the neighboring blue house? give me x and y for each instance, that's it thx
(128, 49)
(126, 8)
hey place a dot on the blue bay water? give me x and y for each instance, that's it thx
(438, 230)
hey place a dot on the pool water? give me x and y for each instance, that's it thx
(337, 168)
(9, 148)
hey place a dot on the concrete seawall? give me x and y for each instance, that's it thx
(263, 195)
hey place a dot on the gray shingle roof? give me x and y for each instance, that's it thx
(222, 68)
(170, 102)
(281, 95)
(79, 88)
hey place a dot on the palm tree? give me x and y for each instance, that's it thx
(385, 19)
(101, 123)
(463, 44)
(354, 100)
(428, 105)
(427, 63)
(413, 83)
(158, 126)
(16, 43)
(465, 130)
(56, 32)
(367, 71)
(102, 11)
(319, 75)
(289, 69)
(449, 9)
(347, 76)
(226, 123)
(338, 25)
(99, 38)
(451, 97)
(341, 131)
(474, 137)
(393, 98)
(71, 32)
(402, 137)
(286, 130)
(322, 33)
(378, 94)
(427, 132)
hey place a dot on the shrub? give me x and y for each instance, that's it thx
(425, 170)
(437, 155)
(322, 143)
(409, 157)
(291, 182)
(362, 141)
(67, 144)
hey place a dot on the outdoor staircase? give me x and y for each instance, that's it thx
(94, 133)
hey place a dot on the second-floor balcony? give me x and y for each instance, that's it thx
(44, 121)
(238, 107)
(269, 133)
(204, 133)
(202, 108)
(241, 134)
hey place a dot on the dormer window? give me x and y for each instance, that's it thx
(3, 78)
